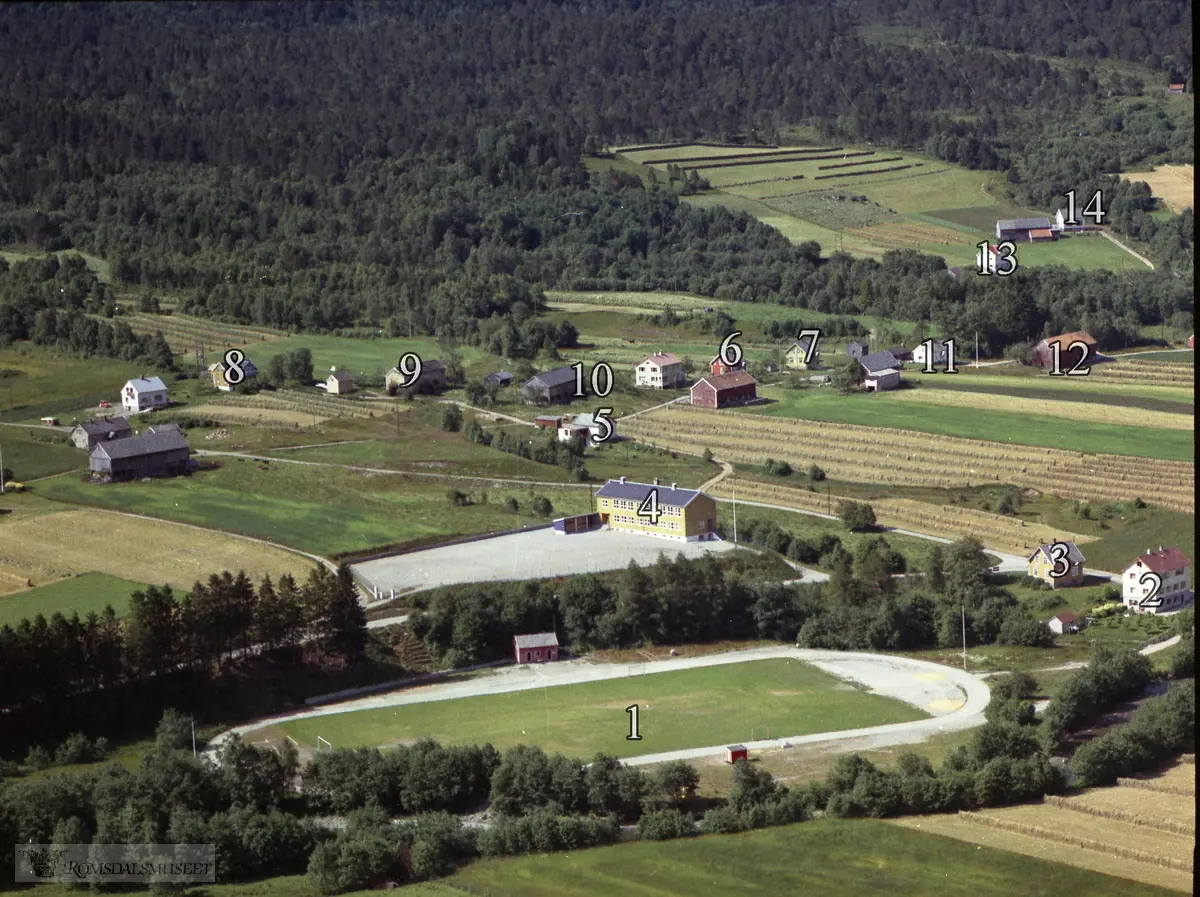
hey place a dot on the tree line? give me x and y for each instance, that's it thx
(100, 672)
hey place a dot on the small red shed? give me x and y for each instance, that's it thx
(537, 647)
(549, 421)
(719, 365)
(736, 752)
(722, 390)
(1192, 341)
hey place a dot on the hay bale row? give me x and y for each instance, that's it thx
(1076, 805)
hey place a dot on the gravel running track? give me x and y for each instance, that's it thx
(954, 698)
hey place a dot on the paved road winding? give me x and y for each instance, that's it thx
(954, 698)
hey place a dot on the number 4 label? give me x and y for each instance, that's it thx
(649, 508)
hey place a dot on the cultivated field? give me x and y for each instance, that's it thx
(80, 594)
(678, 709)
(1175, 185)
(185, 333)
(1134, 832)
(1061, 409)
(50, 546)
(232, 411)
(898, 457)
(309, 404)
(1151, 373)
(950, 521)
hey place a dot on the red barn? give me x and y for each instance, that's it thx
(723, 390)
(736, 752)
(1043, 354)
(538, 647)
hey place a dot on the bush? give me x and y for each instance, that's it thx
(512, 505)
(452, 418)
(856, 515)
(1016, 630)
(1159, 729)
(777, 468)
(541, 506)
(663, 825)
(458, 498)
(815, 473)
(78, 748)
(38, 758)
(721, 821)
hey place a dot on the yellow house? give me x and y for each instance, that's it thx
(1061, 558)
(798, 356)
(656, 510)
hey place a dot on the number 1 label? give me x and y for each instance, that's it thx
(633, 735)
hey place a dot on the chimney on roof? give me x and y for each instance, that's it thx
(656, 481)
(1160, 548)
(674, 486)
(622, 479)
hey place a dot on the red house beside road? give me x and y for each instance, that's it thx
(538, 647)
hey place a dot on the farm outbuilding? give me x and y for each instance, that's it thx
(538, 647)
(556, 387)
(879, 371)
(338, 383)
(1069, 359)
(158, 452)
(719, 365)
(857, 348)
(736, 752)
(579, 523)
(1063, 624)
(723, 390)
(90, 433)
(549, 421)
(1022, 229)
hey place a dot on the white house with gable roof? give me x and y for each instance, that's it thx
(143, 394)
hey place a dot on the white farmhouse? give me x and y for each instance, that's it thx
(660, 371)
(940, 352)
(143, 394)
(1171, 567)
(879, 371)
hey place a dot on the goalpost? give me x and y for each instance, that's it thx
(760, 733)
(322, 741)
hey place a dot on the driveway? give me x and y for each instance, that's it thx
(954, 698)
(539, 554)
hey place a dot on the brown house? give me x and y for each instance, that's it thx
(723, 390)
(538, 647)
(1069, 359)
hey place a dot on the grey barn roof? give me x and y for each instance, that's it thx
(104, 425)
(1022, 223)
(877, 362)
(1074, 555)
(556, 377)
(675, 498)
(152, 442)
(536, 640)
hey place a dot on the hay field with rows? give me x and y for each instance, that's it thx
(1175, 185)
(310, 405)
(1148, 373)
(1142, 829)
(1063, 409)
(900, 457)
(1009, 534)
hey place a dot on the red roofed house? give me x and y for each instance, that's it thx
(723, 390)
(538, 647)
(1043, 354)
(1171, 566)
(720, 366)
(1064, 623)
(1177, 88)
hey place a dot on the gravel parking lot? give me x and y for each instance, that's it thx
(535, 555)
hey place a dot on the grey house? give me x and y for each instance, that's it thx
(857, 348)
(556, 387)
(158, 452)
(90, 433)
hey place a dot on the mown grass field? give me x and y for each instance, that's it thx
(897, 409)
(97, 265)
(1171, 357)
(47, 384)
(80, 594)
(1034, 389)
(323, 510)
(360, 357)
(678, 709)
(45, 546)
(35, 453)
(1175, 185)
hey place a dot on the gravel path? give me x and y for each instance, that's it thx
(955, 699)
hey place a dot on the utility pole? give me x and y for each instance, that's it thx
(964, 631)
(193, 737)
(976, 348)
(1, 470)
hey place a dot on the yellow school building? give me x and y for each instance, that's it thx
(682, 514)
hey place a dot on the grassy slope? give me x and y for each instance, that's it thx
(32, 453)
(361, 357)
(680, 709)
(49, 384)
(82, 594)
(317, 510)
(970, 423)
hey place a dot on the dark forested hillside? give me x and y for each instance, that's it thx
(416, 165)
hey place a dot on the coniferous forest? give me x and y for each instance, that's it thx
(418, 166)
